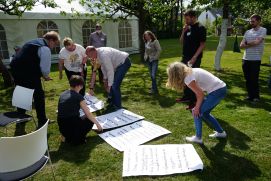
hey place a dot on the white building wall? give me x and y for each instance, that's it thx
(202, 18)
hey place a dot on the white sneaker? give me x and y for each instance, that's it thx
(218, 135)
(194, 139)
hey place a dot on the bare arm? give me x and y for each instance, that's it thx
(89, 115)
(185, 28)
(60, 67)
(245, 44)
(200, 96)
(199, 51)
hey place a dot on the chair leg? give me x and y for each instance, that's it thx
(35, 122)
(51, 164)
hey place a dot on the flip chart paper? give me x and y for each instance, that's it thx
(160, 160)
(118, 118)
(132, 135)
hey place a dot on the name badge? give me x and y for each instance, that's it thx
(102, 39)
(188, 33)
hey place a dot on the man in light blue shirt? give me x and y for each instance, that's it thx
(31, 63)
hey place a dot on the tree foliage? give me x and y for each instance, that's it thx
(243, 9)
(148, 12)
(18, 7)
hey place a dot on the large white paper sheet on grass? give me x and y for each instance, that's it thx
(93, 104)
(160, 160)
(118, 118)
(132, 135)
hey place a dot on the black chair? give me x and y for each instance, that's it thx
(22, 98)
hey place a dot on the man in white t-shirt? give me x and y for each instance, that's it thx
(73, 58)
(253, 43)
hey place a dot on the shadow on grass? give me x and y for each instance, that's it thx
(5, 98)
(235, 79)
(76, 154)
(234, 167)
(235, 137)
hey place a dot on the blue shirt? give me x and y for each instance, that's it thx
(44, 53)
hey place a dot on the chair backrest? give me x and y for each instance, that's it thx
(22, 97)
(20, 152)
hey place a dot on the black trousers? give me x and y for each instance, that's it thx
(74, 129)
(188, 93)
(39, 98)
(251, 71)
(70, 73)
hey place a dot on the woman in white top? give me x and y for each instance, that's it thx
(151, 56)
(199, 81)
(73, 58)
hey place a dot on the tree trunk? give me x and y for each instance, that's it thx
(142, 25)
(8, 80)
(181, 14)
(223, 36)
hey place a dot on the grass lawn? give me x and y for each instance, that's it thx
(244, 155)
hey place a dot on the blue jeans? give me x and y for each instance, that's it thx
(153, 67)
(208, 104)
(120, 72)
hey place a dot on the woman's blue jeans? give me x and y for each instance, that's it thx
(115, 92)
(208, 104)
(153, 67)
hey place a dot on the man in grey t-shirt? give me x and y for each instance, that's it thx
(253, 43)
(98, 39)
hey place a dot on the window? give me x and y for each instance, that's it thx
(125, 35)
(3, 44)
(44, 27)
(88, 27)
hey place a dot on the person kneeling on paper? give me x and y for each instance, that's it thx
(72, 127)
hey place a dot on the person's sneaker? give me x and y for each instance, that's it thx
(256, 100)
(190, 107)
(183, 99)
(51, 121)
(194, 139)
(248, 99)
(153, 92)
(218, 135)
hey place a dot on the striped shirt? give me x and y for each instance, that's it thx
(254, 53)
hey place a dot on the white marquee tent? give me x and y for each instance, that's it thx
(14, 31)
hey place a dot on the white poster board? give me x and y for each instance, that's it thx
(133, 135)
(93, 104)
(118, 118)
(160, 160)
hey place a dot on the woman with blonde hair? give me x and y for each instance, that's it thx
(72, 59)
(199, 81)
(151, 56)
